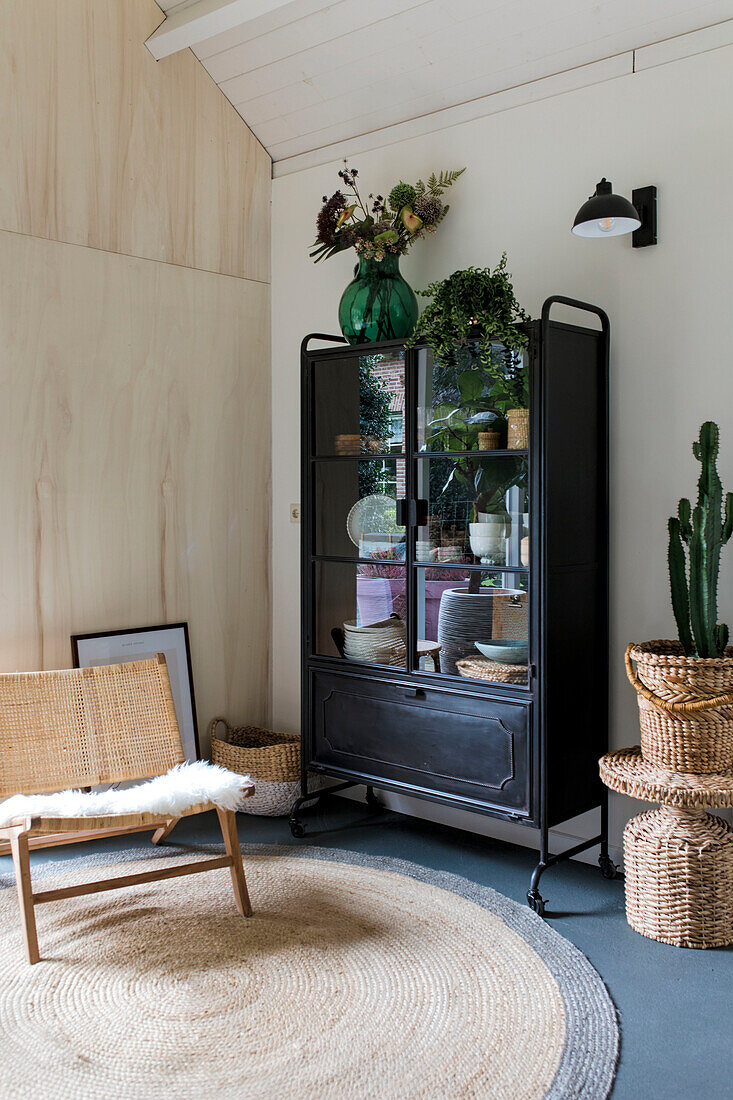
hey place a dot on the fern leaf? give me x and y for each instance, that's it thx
(438, 184)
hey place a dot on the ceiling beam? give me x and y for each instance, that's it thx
(193, 23)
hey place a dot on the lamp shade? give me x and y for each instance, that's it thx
(606, 214)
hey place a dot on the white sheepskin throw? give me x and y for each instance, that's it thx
(168, 795)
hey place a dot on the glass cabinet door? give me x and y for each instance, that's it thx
(471, 553)
(359, 405)
(359, 541)
(431, 506)
(361, 612)
(473, 403)
(473, 623)
(356, 508)
(474, 510)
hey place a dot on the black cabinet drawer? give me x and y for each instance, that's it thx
(464, 746)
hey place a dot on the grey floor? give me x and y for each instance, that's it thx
(675, 1005)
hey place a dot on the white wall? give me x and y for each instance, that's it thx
(529, 169)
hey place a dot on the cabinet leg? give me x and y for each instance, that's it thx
(297, 828)
(536, 902)
(371, 799)
(534, 897)
(608, 867)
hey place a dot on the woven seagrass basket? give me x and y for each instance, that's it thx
(271, 759)
(481, 668)
(679, 877)
(685, 707)
(518, 429)
(488, 441)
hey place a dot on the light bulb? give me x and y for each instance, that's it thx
(606, 224)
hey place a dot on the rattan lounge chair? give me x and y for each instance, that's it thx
(83, 727)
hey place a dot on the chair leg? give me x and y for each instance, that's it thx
(228, 823)
(165, 831)
(21, 862)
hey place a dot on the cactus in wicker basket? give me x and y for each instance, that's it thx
(696, 537)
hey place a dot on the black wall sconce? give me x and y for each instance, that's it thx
(609, 215)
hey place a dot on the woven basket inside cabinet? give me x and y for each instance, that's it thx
(517, 429)
(482, 668)
(271, 759)
(510, 615)
(679, 877)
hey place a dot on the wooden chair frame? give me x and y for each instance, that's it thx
(86, 703)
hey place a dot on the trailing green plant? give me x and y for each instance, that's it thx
(473, 303)
(701, 531)
(479, 371)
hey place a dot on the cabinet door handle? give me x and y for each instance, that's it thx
(412, 513)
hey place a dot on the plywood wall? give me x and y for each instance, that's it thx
(103, 146)
(134, 350)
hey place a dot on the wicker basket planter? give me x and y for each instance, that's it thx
(685, 707)
(271, 759)
(679, 877)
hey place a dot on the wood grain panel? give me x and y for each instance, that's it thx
(135, 415)
(103, 146)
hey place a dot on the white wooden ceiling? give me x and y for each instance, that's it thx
(305, 75)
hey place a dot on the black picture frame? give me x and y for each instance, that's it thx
(185, 704)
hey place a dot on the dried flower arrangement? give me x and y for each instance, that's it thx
(377, 226)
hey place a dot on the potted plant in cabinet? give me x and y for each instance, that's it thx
(685, 687)
(479, 305)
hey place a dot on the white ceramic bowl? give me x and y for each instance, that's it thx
(498, 523)
(486, 544)
(507, 651)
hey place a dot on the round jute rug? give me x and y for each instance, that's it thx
(357, 977)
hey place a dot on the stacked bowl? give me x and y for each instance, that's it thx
(466, 617)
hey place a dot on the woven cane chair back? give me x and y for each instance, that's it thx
(81, 727)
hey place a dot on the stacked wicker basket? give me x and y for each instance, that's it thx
(678, 858)
(272, 760)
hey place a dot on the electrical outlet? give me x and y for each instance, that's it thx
(295, 513)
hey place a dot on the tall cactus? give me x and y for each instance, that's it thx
(704, 531)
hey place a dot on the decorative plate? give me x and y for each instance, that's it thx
(375, 514)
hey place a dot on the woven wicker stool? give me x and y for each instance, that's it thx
(679, 859)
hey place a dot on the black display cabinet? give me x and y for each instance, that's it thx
(455, 575)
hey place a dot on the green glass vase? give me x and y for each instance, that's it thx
(377, 304)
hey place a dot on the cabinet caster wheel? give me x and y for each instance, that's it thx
(536, 901)
(297, 829)
(371, 799)
(608, 867)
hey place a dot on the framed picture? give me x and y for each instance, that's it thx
(113, 647)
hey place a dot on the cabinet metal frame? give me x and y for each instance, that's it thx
(534, 693)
